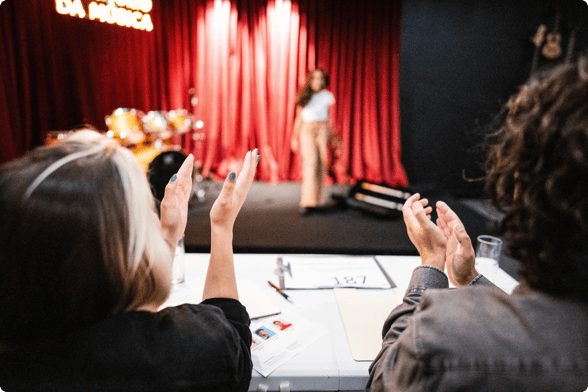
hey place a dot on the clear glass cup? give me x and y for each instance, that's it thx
(179, 264)
(488, 256)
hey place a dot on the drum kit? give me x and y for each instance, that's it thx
(152, 138)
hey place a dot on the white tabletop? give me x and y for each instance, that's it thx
(326, 365)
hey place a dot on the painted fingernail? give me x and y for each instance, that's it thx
(232, 176)
(174, 178)
(255, 151)
(259, 156)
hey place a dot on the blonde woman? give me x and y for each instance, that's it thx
(85, 264)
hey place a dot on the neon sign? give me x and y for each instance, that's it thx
(127, 13)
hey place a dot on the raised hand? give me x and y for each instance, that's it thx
(233, 195)
(423, 233)
(460, 256)
(174, 206)
(220, 278)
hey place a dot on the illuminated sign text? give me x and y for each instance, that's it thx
(128, 13)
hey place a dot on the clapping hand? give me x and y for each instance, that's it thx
(445, 244)
(460, 256)
(220, 277)
(429, 240)
(233, 195)
(174, 206)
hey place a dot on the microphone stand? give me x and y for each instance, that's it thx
(197, 138)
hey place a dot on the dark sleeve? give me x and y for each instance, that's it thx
(398, 366)
(423, 277)
(236, 313)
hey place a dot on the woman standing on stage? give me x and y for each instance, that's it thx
(313, 124)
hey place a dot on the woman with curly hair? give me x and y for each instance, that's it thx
(477, 337)
(313, 124)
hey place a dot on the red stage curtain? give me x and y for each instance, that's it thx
(246, 59)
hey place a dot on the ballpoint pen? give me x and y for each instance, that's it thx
(280, 291)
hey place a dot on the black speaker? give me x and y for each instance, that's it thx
(378, 199)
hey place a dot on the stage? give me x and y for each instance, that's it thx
(270, 222)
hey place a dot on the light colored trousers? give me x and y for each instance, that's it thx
(314, 137)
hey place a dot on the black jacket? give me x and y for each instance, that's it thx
(184, 348)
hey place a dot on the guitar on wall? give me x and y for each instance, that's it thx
(552, 48)
(538, 40)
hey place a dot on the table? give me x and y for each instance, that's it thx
(327, 365)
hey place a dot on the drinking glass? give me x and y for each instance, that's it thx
(179, 264)
(488, 256)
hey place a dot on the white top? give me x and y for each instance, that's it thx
(317, 109)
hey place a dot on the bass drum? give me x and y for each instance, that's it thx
(162, 168)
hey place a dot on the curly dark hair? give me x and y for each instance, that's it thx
(537, 174)
(305, 93)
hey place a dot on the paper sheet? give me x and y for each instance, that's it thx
(276, 339)
(363, 314)
(505, 281)
(330, 272)
(250, 295)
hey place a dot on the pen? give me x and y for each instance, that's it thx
(280, 291)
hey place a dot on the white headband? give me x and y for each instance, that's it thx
(56, 165)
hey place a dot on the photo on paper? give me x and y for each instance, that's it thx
(282, 324)
(264, 333)
(283, 336)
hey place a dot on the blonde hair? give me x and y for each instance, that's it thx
(145, 243)
(79, 241)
